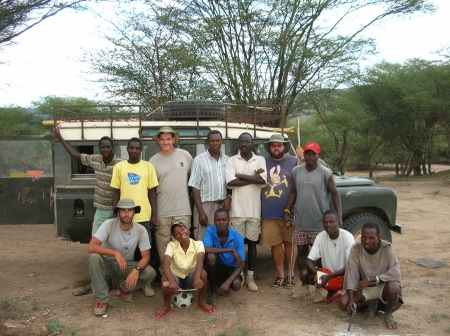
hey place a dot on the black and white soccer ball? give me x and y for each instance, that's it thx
(183, 299)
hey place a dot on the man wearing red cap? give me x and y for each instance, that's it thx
(313, 185)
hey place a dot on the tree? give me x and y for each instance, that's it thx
(20, 121)
(18, 16)
(252, 51)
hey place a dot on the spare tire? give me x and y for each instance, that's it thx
(354, 224)
(186, 108)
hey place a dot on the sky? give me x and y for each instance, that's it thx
(49, 59)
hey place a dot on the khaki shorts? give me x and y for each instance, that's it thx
(209, 208)
(375, 292)
(163, 235)
(274, 232)
(247, 227)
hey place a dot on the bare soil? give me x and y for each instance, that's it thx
(40, 273)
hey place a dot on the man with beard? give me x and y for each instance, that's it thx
(372, 277)
(274, 231)
(112, 251)
(136, 179)
(208, 184)
(246, 175)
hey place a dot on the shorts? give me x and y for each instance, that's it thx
(185, 283)
(375, 292)
(274, 232)
(302, 237)
(246, 226)
(209, 208)
(335, 284)
(100, 216)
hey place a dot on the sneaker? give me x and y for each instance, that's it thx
(126, 296)
(320, 294)
(148, 290)
(100, 308)
(251, 285)
(302, 293)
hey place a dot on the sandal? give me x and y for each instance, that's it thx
(289, 282)
(278, 283)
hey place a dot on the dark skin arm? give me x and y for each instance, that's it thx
(291, 201)
(237, 257)
(202, 217)
(173, 287)
(327, 277)
(336, 198)
(197, 282)
(244, 180)
(152, 200)
(69, 148)
(115, 198)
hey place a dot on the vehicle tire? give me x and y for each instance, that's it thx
(189, 108)
(353, 224)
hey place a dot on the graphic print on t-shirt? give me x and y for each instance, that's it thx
(133, 179)
(275, 181)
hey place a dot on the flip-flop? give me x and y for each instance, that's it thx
(331, 300)
(160, 314)
(209, 310)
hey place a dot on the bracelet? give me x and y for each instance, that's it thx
(368, 279)
(229, 196)
(287, 211)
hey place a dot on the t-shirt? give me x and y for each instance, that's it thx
(246, 201)
(113, 237)
(134, 181)
(313, 197)
(334, 253)
(234, 241)
(275, 194)
(172, 194)
(102, 190)
(183, 263)
(360, 264)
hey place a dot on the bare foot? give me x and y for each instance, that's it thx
(371, 308)
(390, 322)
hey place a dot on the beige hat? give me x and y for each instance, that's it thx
(278, 138)
(167, 129)
(127, 203)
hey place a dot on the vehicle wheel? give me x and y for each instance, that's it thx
(353, 224)
(189, 108)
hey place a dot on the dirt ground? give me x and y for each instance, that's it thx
(40, 273)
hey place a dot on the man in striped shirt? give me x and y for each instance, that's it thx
(208, 184)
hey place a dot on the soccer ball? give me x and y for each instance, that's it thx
(183, 299)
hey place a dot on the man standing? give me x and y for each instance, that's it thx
(225, 256)
(373, 275)
(332, 246)
(208, 184)
(103, 165)
(172, 195)
(136, 179)
(314, 184)
(112, 250)
(246, 175)
(274, 231)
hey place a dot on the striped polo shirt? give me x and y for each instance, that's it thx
(102, 192)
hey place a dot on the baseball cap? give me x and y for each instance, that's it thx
(312, 146)
(174, 225)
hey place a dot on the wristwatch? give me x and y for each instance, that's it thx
(138, 268)
(302, 160)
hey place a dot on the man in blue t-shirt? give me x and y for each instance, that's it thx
(225, 256)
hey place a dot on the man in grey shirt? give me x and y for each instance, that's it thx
(112, 252)
(313, 185)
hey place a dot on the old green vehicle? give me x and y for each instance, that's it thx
(362, 200)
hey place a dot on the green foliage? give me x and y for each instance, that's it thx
(54, 326)
(73, 331)
(438, 317)
(241, 330)
(46, 104)
(20, 121)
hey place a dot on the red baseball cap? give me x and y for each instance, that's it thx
(312, 146)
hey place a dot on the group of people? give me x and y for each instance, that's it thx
(282, 201)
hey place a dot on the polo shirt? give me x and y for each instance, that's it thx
(234, 241)
(103, 174)
(182, 262)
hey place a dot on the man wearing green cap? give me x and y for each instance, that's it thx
(172, 166)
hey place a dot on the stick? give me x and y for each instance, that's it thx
(291, 273)
(298, 131)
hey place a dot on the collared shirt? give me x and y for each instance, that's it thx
(103, 174)
(208, 176)
(246, 200)
(234, 241)
(182, 262)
